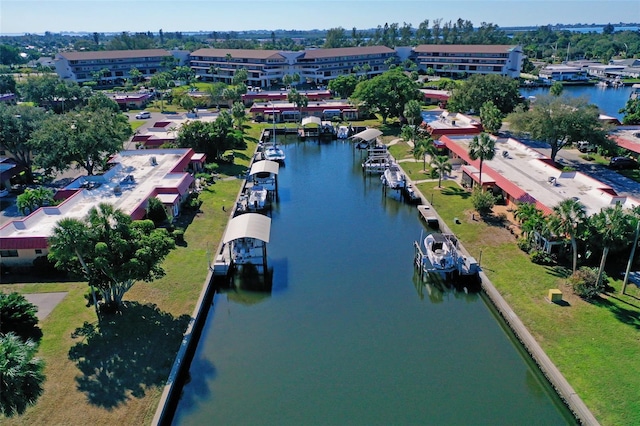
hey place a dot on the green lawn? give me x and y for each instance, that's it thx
(595, 345)
(117, 376)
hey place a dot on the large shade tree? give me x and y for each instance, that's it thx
(387, 93)
(503, 91)
(84, 139)
(343, 85)
(17, 125)
(110, 250)
(560, 121)
(482, 148)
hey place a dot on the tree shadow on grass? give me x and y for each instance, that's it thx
(461, 192)
(126, 353)
(628, 316)
(558, 271)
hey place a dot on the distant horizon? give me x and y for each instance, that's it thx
(197, 16)
(263, 30)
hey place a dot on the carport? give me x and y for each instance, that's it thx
(247, 236)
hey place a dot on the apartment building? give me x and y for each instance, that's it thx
(457, 59)
(267, 68)
(115, 65)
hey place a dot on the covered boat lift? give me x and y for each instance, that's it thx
(246, 238)
(366, 138)
(265, 173)
(310, 127)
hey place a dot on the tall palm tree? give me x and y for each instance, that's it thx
(612, 226)
(442, 166)
(423, 147)
(21, 375)
(567, 219)
(482, 147)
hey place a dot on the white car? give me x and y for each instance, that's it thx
(142, 115)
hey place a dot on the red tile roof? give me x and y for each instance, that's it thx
(114, 54)
(346, 51)
(23, 243)
(463, 48)
(238, 53)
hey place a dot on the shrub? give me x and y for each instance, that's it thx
(18, 315)
(178, 235)
(524, 245)
(584, 282)
(540, 257)
(483, 201)
(156, 211)
(192, 202)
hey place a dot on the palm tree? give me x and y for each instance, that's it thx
(239, 114)
(21, 375)
(423, 147)
(531, 219)
(442, 166)
(612, 227)
(568, 216)
(482, 147)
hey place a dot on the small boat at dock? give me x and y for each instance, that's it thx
(273, 153)
(441, 252)
(393, 177)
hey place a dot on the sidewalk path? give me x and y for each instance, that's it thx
(45, 302)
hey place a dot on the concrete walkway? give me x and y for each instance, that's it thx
(45, 302)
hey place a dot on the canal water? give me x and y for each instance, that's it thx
(349, 335)
(608, 99)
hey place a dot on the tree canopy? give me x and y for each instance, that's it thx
(85, 138)
(343, 85)
(476, 90)
(212, 138)
(560, 121)
(17, 126)
(110, 251)
(387, 93)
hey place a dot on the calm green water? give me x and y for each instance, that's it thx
(349, 336)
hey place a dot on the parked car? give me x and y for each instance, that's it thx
(143, 115)
(584, 146)
(623, 163)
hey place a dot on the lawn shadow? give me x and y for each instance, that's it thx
(628, 316)
(461, 192)
(558, 271)
(231, 169)
(126, 353)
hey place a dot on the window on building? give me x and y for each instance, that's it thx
(38, 251)
(8, 253)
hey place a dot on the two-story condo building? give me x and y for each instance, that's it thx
(81, 67)
(450, 59)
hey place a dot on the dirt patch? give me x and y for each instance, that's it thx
(499, 228)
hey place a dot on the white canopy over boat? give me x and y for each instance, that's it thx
(311, 120)
(248, 225)
(263, 166)
(368, 135)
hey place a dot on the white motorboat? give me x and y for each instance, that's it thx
(257, 197)
(343, 132)
(274, 153)
(441, 251)
(393, 177)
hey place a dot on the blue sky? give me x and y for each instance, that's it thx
(37, 16)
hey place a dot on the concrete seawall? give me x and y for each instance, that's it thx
(548, 368)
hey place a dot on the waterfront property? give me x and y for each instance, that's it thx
(134, 178)
(518, 174)
(452, 59)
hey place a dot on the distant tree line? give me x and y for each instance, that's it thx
(540, 43)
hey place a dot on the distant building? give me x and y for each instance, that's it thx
(80, 67)
(267, 68)
(458, 59)
(563, 73)
(134, 178)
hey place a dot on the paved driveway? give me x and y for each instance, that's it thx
(45, 302)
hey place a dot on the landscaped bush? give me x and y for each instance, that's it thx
(540, 257)
(192, 202)
(483, 201)
(156, 211)
(178, 235)
(524, 245)
(584, 282)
